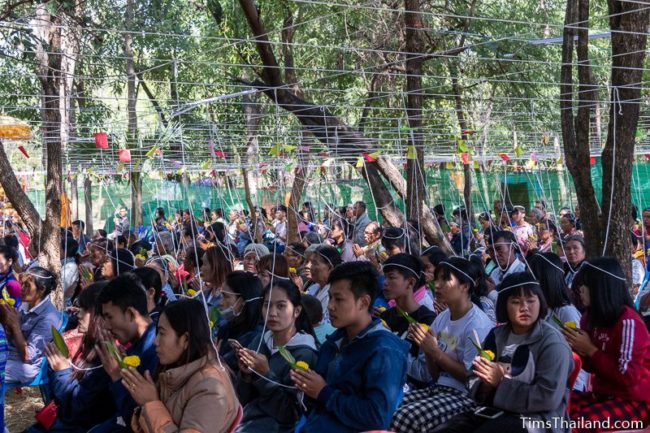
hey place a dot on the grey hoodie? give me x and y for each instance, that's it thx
(538, 386)
(268, 407)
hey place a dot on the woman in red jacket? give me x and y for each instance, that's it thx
(614, 345)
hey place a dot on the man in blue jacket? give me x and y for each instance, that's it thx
(358, 380)
(124, 309)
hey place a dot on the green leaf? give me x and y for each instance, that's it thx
(59, 342)
(110, 346)
(284, 352)
(406, 315)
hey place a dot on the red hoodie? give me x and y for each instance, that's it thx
(621, 366)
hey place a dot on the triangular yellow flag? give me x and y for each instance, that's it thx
(476, 165)
(462, 147)
(519, 151)
(411, 153)
(151, 152)
(289, 148)
(275, 150)
(360, 162)
(450, 165)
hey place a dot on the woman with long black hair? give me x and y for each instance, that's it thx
(264, 385)
(614, 346)
(191, 392)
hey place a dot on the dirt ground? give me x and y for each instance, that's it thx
(20, 408)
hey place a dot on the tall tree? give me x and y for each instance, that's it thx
(415, 190)
(328, 128)
(132, 115)
(606, 232)
(57, 49)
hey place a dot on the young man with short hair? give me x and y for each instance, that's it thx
(358, 380)
(126, 319)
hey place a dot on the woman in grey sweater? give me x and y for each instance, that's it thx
(525, 388)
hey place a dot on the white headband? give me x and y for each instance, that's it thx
(44, 277)
(604, 271)
(519, 285)
(549, 262)
(389, 265)
(458, 270)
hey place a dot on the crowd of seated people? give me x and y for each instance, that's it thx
(345, 326)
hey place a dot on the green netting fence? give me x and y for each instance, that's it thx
(442, 186)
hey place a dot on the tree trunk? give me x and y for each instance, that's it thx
(152, 98)
(294, 205)
(252, 111)
(467, 168)
(136, 200)
(74, 197)
(326, 127)
(132, 117)
(88, 201)
(629, 23)
(415, 191)
(256, 236)
(575, 132)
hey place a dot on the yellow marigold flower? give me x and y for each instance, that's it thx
(191, 292)
(292, 270)
(488, 354)
(571, 324)
(131, 361)
(381, 309)
(302, 365)
(11, 301)
(424, 327)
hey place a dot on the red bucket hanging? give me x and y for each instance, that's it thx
(101, 140)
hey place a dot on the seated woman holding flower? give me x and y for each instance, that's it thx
(271, 401)
(29, 331)
(191, 392)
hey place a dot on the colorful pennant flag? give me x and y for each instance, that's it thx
(504, 156)
(24, 152)
(411, 153)
(153, 151)
(462, 146)
(519, 151)
(465, 158)
(371, 157)
(360, 162)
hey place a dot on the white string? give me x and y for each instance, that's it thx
(446, 263)
(398, 265)
(549, 262)
(604, 271)
(526, 283)
(615, 102)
